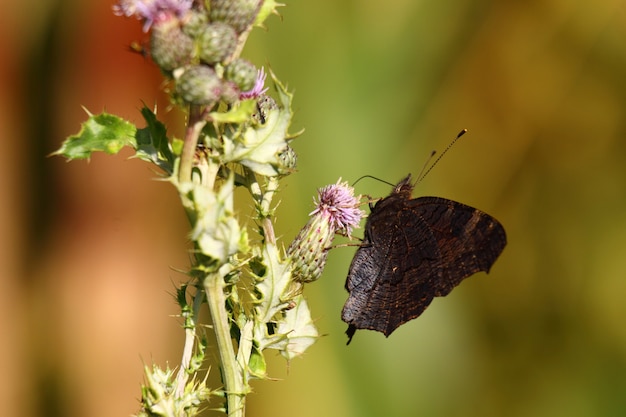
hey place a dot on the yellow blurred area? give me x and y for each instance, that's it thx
(89, 250)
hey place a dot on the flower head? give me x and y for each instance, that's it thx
(338, 203)
(151, 11)
(337, 210)
(258, 89)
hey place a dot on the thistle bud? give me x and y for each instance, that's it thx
(237, 13)
(195, 22)
(199, 85)
(216, 42)
(242, 72)
(337, 210)
(170, 47)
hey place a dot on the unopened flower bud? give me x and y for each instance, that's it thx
(237, 13)
(195, 22)
(170, 47)
(242, 72)
(199, 85)
(216, 42)
(230, 92)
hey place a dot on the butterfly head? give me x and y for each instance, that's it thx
(404, 187)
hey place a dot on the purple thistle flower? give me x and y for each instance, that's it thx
(337, 210)
(258, 89)
(151, 11)
(338, 203)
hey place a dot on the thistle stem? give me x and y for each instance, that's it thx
(190, 342)
(192, 134)
(231, 374)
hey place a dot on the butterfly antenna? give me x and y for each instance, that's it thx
(425, 171)
(374, 178)
(430, 158)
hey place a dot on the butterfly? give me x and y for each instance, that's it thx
(414, 250)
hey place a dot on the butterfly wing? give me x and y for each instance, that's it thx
(413, 251)
(389, 281)
(468, 240)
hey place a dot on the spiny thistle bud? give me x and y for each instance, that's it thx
(238, 13)
(199, 85)
(242, 72)
(170, 47)
(195, 22)
(216, 42)
(230, 92)
(337, 210)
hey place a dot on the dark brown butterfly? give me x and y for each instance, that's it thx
(414, 250)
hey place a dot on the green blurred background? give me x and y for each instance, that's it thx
(88, 249)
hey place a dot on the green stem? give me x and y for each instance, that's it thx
(231, 374)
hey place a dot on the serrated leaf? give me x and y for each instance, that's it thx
(100, 133)
(152, 143)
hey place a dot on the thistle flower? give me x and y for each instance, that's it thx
(336, 211)
(258, 89)
(151, 11)
(338, 203)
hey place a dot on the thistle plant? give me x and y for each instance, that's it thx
(236, 136)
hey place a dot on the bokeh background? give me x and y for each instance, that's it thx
(89, 250)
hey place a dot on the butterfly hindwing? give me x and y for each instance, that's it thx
(469, 240)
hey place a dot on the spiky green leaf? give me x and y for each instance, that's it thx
(152, 144)
(100, 133)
